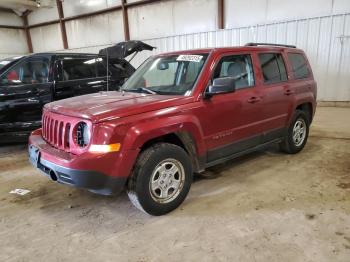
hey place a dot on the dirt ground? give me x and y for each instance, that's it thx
(266, 206)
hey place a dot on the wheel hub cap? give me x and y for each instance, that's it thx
(167, 180)
(299, 132)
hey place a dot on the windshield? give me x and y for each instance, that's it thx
(167, 75)
(6, 61)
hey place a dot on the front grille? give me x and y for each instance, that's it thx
(56, 131)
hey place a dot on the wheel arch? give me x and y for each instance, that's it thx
(178, 131)
(183, 139)
(307, 108)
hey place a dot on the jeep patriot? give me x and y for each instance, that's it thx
(177, 115)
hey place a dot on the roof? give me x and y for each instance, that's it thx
(59, 53)
(248, 48)
(18, 57)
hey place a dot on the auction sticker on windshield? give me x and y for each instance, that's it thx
(190, 58)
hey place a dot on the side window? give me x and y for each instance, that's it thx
(33, 71)
(299, 65)
(273, 68)
(236, 66)
(78, 68)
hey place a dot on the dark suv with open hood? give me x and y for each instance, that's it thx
(29, 82)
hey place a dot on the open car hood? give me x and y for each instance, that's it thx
(124, 49)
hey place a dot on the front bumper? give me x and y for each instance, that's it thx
(91, 180)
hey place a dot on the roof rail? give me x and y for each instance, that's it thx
(269, 44)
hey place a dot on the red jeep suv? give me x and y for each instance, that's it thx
(178, 114)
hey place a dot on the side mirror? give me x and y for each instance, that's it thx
(221, 86)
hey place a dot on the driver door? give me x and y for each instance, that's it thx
(230, 121)
(25, 88)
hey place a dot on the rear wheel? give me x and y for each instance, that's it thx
(298, 133)
(161, 179)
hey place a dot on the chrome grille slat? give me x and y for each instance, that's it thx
(55, 131)
(67, 136)
(59, 134)
(49, 130)
(44, 126)
(47, 127)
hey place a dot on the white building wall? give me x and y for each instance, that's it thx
(15, 43)
(172, 18)
(43, 15)
(326, 41)
(320, 27)
(96, 30)
(240, 13)
(12, 41)
(46, 38)
(7, 18)
(74, 7)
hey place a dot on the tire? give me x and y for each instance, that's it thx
(292, 145)
(170, 169)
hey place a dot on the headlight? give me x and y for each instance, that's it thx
(83, 134)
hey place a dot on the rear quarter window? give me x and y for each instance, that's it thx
(299, 65)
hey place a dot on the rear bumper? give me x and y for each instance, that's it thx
(41, 155)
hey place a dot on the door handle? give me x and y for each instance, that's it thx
(253, 99)
(288, 92)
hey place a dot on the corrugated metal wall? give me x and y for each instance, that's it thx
(12, 41)
(326, 40)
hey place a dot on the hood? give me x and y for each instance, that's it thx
(104, 106)
(124, 49)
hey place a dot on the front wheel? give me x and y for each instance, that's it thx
(161, 179)
(297, 134)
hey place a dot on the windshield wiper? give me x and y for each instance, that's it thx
(141, 90)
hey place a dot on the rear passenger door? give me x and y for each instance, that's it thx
(277, 99)
(78, 76)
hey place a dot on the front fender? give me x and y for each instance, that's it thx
(140, 133)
